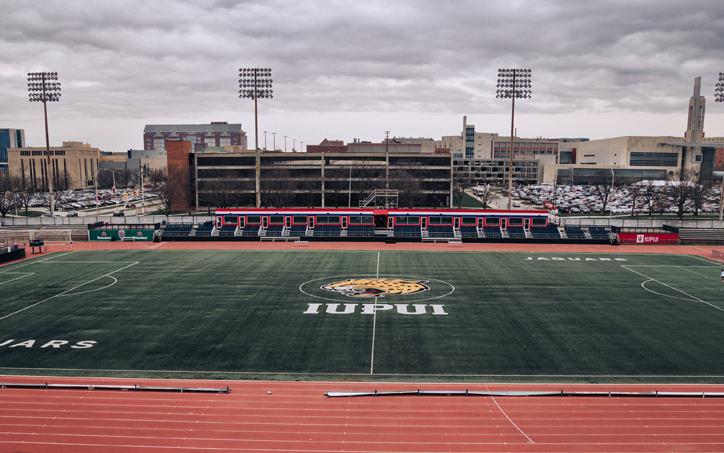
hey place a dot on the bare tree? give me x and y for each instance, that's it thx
(127, 176)
(649, 192)
(634, 191)
(277, 188)
(680, 186)
(8, 193)
(219, 188)
(458, 192)
(410, 193)
(486, 193)
(601, 186)
(156, 176)
(367, 178)
(64, 181)
(308, 191)
(177, 180)
(703, 181)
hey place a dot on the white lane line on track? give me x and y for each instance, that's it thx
(511, 421)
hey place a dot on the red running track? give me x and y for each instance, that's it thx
(298, 417)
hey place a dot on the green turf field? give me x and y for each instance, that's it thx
(482, 316)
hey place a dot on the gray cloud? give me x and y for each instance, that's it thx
(133, 62)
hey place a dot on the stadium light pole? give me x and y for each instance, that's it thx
(285, 143)
(255, 83)
(513, 83)
(719, 97)
(265, 140)
(274, 141)
(41, 89)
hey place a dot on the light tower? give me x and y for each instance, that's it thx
(513, 83)
(719, 97)
(255, 83)
(42, 90)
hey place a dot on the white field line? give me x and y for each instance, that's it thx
(36, 261)
(25, 274)
(115, 280)
(707, 260)
(374, 322)
(692, 298)
(511, 421)
(273, 373)
(68, 290)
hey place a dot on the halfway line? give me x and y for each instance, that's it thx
(374, 322)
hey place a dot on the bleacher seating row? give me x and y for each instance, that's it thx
(327, 230)
(516, 232)
(492, 232)
(408, 231)
(440, 231)
(250, 230)
(226, 230)
(274, 230)
(547, 232)
(469, 231)
(177, 229)
(598, 232)
(205, 229)
(298, 230)
(550, 231)
(361, 230)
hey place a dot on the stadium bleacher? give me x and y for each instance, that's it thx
(298, 231)
(546, 232)
(469, 231)
(327, 230)
(516, 232)
(361, 230)
(274, 230)
(227, 230)
(492, 232)
(206, 229)
(251, 230)
(408, 231)
(177, 229)
(598, 232)
(574, 232)
(440, 231)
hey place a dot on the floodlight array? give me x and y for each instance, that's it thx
(514, 83)
(719, 91)
(40, 89)
(255, 83)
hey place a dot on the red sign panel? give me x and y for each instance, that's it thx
(648, 238)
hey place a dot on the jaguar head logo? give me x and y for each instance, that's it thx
(377, 287)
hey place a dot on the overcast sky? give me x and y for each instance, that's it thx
(355, 69)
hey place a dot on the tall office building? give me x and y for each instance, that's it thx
(201, 136)
(9, 138)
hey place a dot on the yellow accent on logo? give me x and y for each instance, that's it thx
(377, 287)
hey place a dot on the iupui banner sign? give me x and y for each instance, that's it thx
(648, 238)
